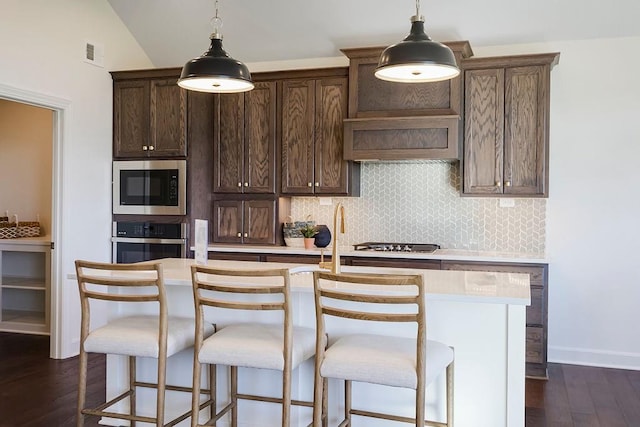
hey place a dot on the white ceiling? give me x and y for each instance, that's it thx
(174, 31)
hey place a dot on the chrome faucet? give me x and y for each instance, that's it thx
(334, 265)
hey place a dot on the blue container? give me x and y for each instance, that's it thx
(323, 238)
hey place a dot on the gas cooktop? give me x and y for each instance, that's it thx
(396, 247)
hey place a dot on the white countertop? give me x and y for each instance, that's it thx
(452, 285)
(439, 254)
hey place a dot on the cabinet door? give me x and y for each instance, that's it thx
(259, 222)
(228, 143)
(260, 139)
(297, 136)
(130, 118)
(168, 115)
(331, 175)
(227, 221)
(483, 133)
(525, 138)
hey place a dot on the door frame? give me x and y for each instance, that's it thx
(59, 107)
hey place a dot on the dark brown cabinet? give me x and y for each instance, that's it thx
(244, 221)
(506, 131)
(149, 115)
(245, 141)
(536, 345)
(313, 110)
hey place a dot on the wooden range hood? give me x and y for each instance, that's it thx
(402, 121)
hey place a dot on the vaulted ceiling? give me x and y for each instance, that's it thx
(174, 31)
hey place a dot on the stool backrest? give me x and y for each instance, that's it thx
(120, 283)
(375, 298)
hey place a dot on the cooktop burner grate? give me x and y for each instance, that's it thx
(396, 247)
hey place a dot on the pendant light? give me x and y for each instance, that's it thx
(417, 59)
(215, 71)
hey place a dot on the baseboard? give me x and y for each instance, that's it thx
(591, 357)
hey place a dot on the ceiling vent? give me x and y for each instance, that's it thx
(94, 53)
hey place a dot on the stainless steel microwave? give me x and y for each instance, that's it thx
(150, 187)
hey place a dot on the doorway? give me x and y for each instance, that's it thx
(28, 102)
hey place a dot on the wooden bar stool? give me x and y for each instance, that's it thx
(281, 347)
(374, 358)
(154, 336)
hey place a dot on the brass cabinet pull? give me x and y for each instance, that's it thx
(239, 234)
(498, 184)
(144, 148)
(309, 184)
(246, 234)
(507, 184)
(151, 148)
(317, 184)
(246, 184)
(239, 184)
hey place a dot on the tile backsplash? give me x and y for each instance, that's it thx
(420, 202)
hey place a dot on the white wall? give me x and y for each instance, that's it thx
(42, 51)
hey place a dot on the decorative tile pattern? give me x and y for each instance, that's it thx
(420, 202)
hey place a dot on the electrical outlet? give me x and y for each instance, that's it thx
(507, 203)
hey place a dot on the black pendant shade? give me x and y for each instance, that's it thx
(215, 71)
(417, 59)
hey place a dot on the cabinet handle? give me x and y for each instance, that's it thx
(239, 184)
(498, 184)
(246, 184)
(144, 148)
(239, 234)
(309, 184)
(246, 234)
(317, 184)
(151, 148)
(507, 184)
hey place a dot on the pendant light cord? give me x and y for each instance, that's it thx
(417, 7)
(217, 23)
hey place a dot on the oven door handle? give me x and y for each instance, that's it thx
(148, 240)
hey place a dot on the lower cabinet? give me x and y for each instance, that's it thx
(25, 282)
(244, 221)
(536, 347)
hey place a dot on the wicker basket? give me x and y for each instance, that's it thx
(8, 230)
(28, 229)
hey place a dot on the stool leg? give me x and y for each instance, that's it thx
(132, 388)
(213, 386)
(195, 393)
(82, 386)
(234, 396)
(325, 402)
(286, 396)
(347, 402)
(162, 379)
(450, 395)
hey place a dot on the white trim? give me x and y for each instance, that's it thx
(516, 341)
(594, 357)
(60, 119)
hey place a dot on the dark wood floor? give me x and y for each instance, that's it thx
(36, 391)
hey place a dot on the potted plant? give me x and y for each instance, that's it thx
(308, 232)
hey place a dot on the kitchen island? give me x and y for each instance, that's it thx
(480, 314)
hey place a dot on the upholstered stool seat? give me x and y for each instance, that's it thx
(385, 360)
(255, 345)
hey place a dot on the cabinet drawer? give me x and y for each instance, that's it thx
(535, 345)
(397, 263)
(234, 256)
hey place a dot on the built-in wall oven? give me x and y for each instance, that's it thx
(145, 241)
(150, 187)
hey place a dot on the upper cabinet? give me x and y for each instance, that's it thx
(506, 131)
(400, 121)
(312, 144)
(149, 114)
(245, 141)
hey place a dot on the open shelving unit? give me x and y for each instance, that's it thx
(25, 283)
